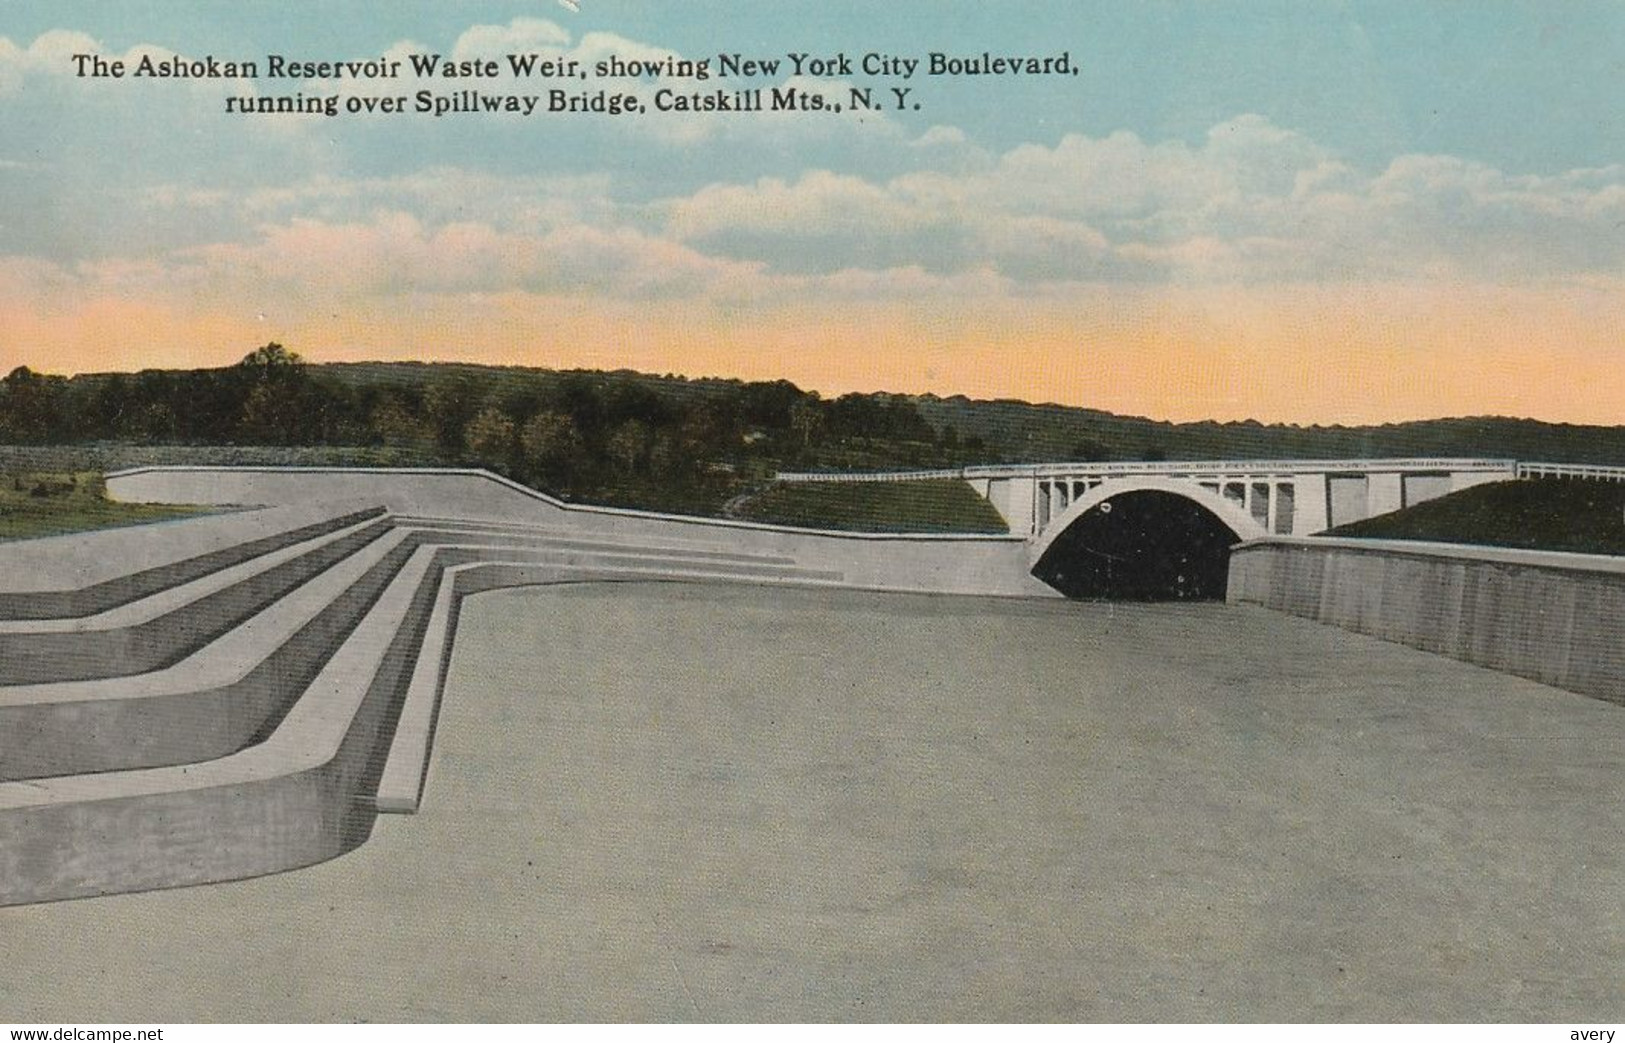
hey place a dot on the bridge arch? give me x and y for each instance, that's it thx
(1142, 538)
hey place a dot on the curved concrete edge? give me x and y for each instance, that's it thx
(400, 790)
(220, 699)
(713, 543)
(579, 543)
(308, 791)
(1548, 617)
(225, 658)
(698, 548)
(81, 574)
(186, 594)
(406, 770)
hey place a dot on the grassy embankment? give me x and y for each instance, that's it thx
(1540, 514)
(50, 504)
(928, 506)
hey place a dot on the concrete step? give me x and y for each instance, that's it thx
(81, 574)
(764, 567)
(289, 801)
(215, 701)
(585, 538)
(163, 627)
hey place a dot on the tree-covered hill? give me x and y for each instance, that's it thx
(1012, 431)
(653, 441)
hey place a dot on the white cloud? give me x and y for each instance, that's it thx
(518, 36)
(394, 253)
(50, 53)
(1252, 201)
(438, 195)
(819, 203)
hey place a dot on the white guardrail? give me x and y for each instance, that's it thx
(1178, 468)
(1594, 472)
(1591, 471)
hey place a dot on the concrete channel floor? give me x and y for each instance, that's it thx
(663, 802)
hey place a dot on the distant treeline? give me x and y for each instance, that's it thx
(671, 442)
(605, 437)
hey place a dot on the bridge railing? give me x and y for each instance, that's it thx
(1595, 472)
(1162, 467)
(871, 476)
(1512, 468)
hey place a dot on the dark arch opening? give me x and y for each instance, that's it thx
(1141, 546)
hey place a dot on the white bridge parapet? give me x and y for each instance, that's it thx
(1283, 497)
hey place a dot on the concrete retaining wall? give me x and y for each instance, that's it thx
(985, 565)
(1550, 617)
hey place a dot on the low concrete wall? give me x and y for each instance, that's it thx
(1547, 616)
(984, 565)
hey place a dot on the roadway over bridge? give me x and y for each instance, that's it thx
(1176, 520)
(1259, 497)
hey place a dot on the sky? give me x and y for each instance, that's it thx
(1297, 211)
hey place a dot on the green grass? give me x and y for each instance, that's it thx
(106, 457)
(929, 506)
(1541, 514)
(44, 504)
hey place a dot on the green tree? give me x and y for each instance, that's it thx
(272, 358)
(109, 404)
(708, 429)
(276, 407)
(628, 446)
(807, 419)
(490, 437)
(392, 423)
(1086, 450)
(449, 405)
(552, 445)
(272, 413)
(24, 407)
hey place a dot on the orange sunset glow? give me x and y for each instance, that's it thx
(1350, 355)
